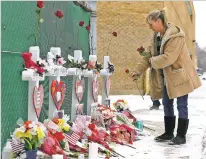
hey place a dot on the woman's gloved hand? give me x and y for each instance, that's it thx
(145, 54)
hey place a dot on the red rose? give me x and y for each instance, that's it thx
(88, 28)
(81, 23)
(59, 14)
(114, 34)
(126, 70)
(141, 49)
(40, 4)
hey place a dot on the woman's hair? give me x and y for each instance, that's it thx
(158, 14)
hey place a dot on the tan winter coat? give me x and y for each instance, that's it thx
(180, 76)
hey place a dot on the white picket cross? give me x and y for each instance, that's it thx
(105, 73)
(33, 78)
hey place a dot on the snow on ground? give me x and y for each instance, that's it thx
(147, 148)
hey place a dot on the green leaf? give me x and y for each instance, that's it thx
(62, 144)
(38, 11)
(28, 145)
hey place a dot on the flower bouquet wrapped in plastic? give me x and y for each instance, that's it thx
(80, 124)
(123, 133)
(51, 146)
(100, 137)
(121, 105)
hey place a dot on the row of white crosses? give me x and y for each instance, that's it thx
(55, 73)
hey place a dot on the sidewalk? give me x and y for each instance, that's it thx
(148, 149)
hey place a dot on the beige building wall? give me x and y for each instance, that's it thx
(179, 14)
(128, 20)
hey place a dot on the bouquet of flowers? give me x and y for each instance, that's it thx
(52, 146)
(99, 136)
(121, 105)
(31, 134)
(142, 51)
(62, 124)
(107, 112)
(58, 127)
(123, 133)
(123, 119)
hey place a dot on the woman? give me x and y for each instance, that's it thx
(173, 74)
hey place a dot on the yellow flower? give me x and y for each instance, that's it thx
(66, 128)
(21, 134)
(61, 122)
(40, 133)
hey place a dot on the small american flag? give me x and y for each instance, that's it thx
(72, 137)
(17, 147)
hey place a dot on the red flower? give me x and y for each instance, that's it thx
(55, 120)
(126, 70)
(59, 14)
(81, 23)
(40, 4)
(88, 28)
(91, 126)
(40, 70)
(141, 49)
(114, 34)
(59, 136)
(27, 124)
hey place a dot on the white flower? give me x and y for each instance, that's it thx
(33, 131)
(66, 118)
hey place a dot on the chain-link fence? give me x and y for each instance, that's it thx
(18, 28)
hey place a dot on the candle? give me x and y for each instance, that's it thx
(93, 150)
(57, 156)
(106, 60)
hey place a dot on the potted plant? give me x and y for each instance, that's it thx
(32, 135)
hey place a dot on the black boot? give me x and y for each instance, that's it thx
(169, 129)
(154, 107)
(181, 132)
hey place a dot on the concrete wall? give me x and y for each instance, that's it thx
(128, 20)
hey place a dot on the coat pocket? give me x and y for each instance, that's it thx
(178, 77)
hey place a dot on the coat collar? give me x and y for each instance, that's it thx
(171, 32)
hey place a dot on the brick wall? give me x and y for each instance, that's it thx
(128, 20)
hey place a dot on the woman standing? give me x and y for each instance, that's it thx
(173, 74)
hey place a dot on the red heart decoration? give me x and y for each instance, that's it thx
(95, 89)
(79, 89)
(58, 90)
(38, 98)
(108, 85)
